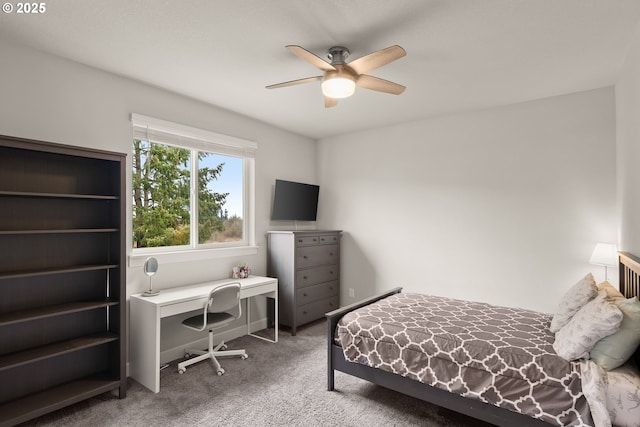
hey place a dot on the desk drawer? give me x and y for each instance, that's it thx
(183, 307)
(316, 310)
(313, 276)
(316, 255)
(316, 292)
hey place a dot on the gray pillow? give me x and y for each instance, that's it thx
(573, 300)
(599, 318)
(612, 351)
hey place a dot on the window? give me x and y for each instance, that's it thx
(192, 189)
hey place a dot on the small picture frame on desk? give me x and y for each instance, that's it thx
(240, 271)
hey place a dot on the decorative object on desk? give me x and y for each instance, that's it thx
(605, 254)
(150, 268)
(240, 271)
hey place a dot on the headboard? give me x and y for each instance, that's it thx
(630, 282)
(629, 275)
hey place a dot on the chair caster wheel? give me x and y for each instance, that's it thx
(223, 347)
(187, 355)
(181, 371)
(244, 356)
(220, 372)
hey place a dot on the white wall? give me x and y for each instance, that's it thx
(502, 205)
(627, 91)
(46, 98)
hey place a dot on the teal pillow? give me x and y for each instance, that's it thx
(612, 351)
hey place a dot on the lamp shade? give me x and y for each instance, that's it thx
(604, 254)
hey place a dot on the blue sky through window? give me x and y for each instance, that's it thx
(229, 181)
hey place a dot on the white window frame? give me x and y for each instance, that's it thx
(178, 135)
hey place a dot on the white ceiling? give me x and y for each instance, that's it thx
(461, 54)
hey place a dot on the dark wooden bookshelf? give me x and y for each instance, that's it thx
(53, 270)
(62, 276)
(78, 230)
(49, 400)
(53, 311)
(52, 350)
(57, 195)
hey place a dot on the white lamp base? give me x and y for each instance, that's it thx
(150, 293)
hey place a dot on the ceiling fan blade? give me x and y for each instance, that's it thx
(294, 82)
(377, 59)
(330, 102)
(381, 85)
(310, 58)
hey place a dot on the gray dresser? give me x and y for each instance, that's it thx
(307, 266)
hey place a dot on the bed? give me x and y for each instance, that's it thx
(526, 345)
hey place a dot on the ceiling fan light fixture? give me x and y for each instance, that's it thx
(341, 78)
(338, 87)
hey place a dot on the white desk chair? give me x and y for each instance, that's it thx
(222, 307)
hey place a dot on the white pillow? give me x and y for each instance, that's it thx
(599, 318)
(573, 300)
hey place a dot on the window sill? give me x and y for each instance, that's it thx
(137, 260)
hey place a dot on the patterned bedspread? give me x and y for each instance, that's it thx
(499, 355)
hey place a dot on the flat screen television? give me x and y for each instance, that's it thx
(295, 201)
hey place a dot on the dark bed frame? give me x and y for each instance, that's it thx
(629, 286)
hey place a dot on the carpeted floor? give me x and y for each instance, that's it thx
(281, 384)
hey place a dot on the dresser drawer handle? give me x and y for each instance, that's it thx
(330, 253)
(304, 256)
(304, 295)
(331, 272)
(304, 277)
(304, 312)
(330, 288)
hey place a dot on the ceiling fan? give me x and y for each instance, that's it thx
(340, 79)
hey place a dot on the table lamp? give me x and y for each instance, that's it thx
(604, 254)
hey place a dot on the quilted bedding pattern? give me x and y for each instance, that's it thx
(499, 355)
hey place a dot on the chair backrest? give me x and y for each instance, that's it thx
(225, 299)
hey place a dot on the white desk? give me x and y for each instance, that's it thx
(146, 313)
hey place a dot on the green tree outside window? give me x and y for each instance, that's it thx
(161, 198)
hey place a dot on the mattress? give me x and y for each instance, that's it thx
(499, 355)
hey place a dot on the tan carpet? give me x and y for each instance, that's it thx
(280, 384)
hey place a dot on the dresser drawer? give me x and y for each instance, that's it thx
(328, 239)
(306, 240)
(316, 292)
(316, 310)
(316, 255)
(321, 239)
(313, 276)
